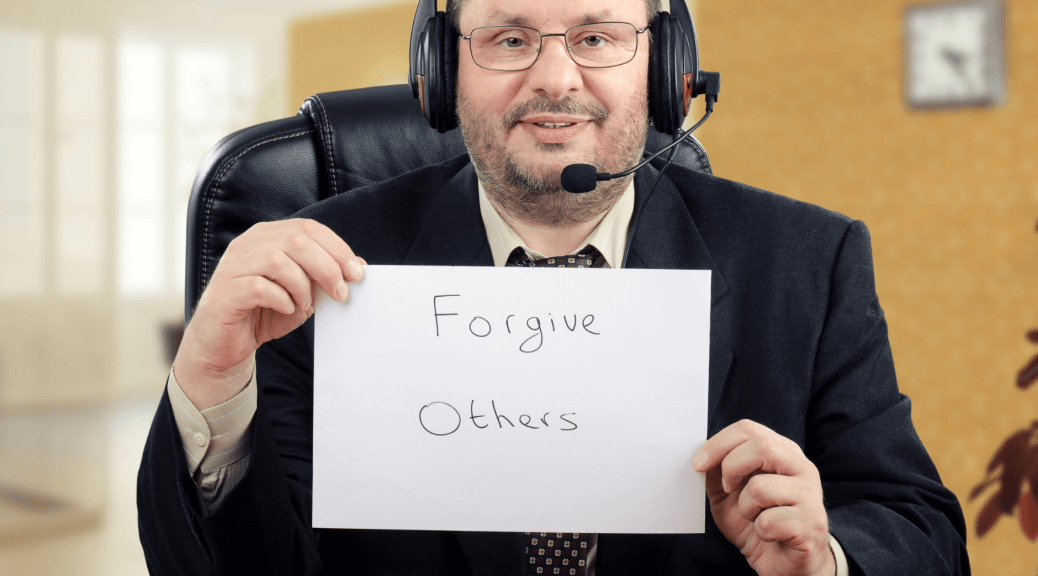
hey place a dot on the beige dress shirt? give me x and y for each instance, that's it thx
(216, 440)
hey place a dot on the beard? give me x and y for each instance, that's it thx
(532, 192)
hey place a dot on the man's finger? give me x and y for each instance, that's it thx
(794, 526)
(768, 453)
(714, 450)
(317, 263)
(349, 265)
(764, 491)
(714, 490)
(781, 524)
(259, 292)
(273, 264)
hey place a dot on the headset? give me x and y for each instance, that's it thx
(674, 75)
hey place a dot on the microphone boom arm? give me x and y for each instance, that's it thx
(581, 178)
(710, 100)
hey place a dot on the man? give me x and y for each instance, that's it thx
(800, 364)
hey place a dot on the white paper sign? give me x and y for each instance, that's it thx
(512, 399)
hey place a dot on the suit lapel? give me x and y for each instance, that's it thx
(453, 235)
(453, 232)
(494, 553)
(622, 554)
(668, 238)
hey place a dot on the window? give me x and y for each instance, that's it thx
(22, 238)
(141, 125)
(80, 146)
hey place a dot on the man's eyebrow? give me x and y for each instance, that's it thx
(600, 16)
(503, 18)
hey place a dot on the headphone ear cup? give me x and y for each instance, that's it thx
(663, 117)
(434, 84)
(441, 69)
(675, 84)
(429, 82)
(416, 49)
(655, 71)
(449, 108)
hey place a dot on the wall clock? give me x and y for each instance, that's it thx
(955, 54)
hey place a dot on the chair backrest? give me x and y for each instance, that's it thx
(339, 141)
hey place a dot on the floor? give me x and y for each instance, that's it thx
(67, 489)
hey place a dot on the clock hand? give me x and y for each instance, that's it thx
(957, 61)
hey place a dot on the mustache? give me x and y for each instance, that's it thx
(546, 105)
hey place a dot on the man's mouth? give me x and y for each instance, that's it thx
(544, 112)
(548, 128)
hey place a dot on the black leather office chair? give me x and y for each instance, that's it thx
(339, 141)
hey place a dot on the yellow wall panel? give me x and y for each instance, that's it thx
(812, 107)
(346, 50)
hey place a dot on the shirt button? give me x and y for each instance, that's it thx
(199, 439)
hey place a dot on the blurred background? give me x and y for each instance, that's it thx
(107, 108)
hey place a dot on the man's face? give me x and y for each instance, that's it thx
(522, 128)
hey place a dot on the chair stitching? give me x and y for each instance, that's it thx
(704, 158)
(695, 152)
(700, 155)
(212, 198)
(328, 143)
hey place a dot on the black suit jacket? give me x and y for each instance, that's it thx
(798, 343)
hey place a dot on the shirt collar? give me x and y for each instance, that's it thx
(610, 236)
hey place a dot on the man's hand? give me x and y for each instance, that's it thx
(263, 288)
(766, 497)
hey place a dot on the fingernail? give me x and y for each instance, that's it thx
(354, 270)
(699, 460)
(724, 484)
(341, 290)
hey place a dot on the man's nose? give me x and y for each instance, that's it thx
(555, 73)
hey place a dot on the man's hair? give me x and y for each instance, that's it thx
(652, 8)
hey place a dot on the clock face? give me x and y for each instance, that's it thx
(954, 54)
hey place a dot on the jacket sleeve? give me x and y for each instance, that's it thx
(887, 506)
(263, 524)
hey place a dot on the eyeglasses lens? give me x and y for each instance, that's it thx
(510, 48)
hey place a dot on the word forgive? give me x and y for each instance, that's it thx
(481, 327)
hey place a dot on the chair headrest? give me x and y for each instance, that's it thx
(372, 134)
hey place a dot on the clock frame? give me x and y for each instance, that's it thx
(954, 54)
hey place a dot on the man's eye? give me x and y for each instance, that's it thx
(513, 42)
(593, 41)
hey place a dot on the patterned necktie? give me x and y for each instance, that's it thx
(587, 258)
(559, 553)
(556, 553)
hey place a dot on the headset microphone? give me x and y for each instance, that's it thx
(580, 178)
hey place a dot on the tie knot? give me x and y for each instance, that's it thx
(586, 258)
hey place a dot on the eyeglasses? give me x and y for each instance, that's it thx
(513, 48)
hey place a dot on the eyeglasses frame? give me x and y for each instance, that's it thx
(540, 46)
